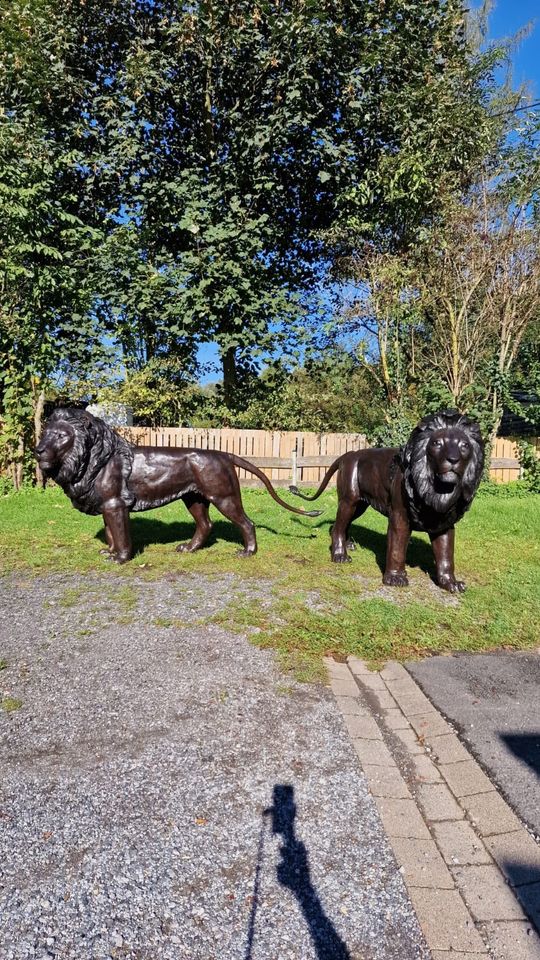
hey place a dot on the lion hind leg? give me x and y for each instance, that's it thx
(361, 508)
(198, 509)
(231, 507)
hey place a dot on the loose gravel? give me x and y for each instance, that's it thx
(166, 793)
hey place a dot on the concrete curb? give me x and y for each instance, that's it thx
(456, 840)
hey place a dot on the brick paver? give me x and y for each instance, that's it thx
(490, 814)
(511, 940)
(375, 752)
(445, 820)
(465, 778)
(486, 894)
(401, 818)
(425, 770)
(430, 725)
(445, 921)
(422, 863)
(361, 726)
(386, 782)
(438, 803)
(410, 741)
(459, 844)
(447, 748)
(517, 855)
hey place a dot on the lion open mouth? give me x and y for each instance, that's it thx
(448, 478)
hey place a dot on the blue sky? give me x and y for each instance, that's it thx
(507, 18)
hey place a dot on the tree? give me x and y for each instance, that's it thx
(45, 247)
(479, 278)
(251, 141)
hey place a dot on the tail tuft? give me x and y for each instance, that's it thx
(314, 513)
(294, 489)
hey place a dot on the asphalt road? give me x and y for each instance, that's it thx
(493, 701)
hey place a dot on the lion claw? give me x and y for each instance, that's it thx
(341, 558)
(396, 580)
(245, 553)
(453, 586)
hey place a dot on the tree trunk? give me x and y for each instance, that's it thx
(230, 377)
(16, 466)
(38, 423)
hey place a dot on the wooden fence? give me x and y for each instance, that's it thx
(295, 456)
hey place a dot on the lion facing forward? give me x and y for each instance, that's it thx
(426, 485)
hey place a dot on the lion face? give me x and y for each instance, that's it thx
(55, 443)
(442, 465)
(448, 453)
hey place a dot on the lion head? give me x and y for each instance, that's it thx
(442, 464)
(73, 449)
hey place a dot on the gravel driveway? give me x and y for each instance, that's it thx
(166, 793)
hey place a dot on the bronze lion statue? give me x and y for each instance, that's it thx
(102, 473)
(426, 485)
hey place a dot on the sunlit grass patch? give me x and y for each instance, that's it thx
(308, 606)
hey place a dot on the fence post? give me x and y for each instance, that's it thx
(294, 466)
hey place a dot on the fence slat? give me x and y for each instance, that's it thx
(272, 450)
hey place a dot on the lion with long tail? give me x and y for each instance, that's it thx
(102, 473)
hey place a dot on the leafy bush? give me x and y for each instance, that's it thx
(504, 491)
(530, 463)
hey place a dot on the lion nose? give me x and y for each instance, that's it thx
(453, 455)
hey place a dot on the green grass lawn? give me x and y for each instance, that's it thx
(316, 607)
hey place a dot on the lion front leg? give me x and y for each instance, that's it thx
(443, 551)
(396, 551)
(116, 518)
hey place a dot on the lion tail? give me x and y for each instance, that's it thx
(251, 468)
(324, 482)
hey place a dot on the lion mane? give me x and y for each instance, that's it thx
(423, 494)
(93, 447)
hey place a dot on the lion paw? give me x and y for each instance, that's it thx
(183, 548)
(341, 558)
(351, 545)
(396, 580)
(453, 586)
(245, 553)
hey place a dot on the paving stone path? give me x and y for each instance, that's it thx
(471, 868)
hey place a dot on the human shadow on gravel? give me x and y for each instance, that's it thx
(293, 872)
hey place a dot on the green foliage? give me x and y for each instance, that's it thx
(349, 117)
(504, 491)
(162, 393)
(530, 463)
(45, 245)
